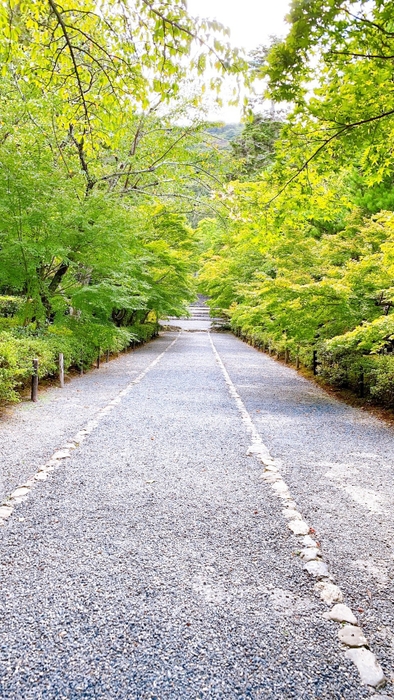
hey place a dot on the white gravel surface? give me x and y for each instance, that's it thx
(156, 563)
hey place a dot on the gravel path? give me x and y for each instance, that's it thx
(156, 563)
(30, 433)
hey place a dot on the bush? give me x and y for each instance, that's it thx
(80, 342)
(382, 386)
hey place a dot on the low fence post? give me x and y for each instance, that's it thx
(34, 381)
(98, 358)
(61, 370)
(314, 362)
(107, 356)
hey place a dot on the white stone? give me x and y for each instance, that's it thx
(61, 454)
(352, 636)
(5, 511)
(80, 436)
(281, 489)
(291, 504)
(41, 476)
(381, 696)
(21, 491)
(317, 568)
(270, 477)
(329, 592)
(310, 553)
(341, 613)
(299, 527)
(258, 448)
(368, 667)
(50, 463)
(269, 462)
(291, 514)
(307, 541)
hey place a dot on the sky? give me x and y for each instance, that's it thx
(251, 23)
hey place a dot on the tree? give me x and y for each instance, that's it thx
(92, 146)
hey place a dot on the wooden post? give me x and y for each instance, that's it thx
(81, 365)
(297, 362)
(61, 370)
(107, 356)
(314, 362)
(34, 381)
(98, 359)
(287, 354)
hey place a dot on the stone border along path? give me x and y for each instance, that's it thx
(349, 634)
(22, 492)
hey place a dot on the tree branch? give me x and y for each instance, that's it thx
(59, 18)
(345, 127)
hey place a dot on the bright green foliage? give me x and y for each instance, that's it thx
(305, 259)
(103, 165)
(310, 267)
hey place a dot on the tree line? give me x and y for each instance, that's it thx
(304, 262)
(105, 163)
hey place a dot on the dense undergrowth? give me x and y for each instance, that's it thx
(80, 343)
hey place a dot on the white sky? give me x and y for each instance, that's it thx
(251, 22)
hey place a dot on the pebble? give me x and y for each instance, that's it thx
(21, 491)
(61, 454)
(352, 636)
(41, 476)
(299, 527)
(307, 541)
(368, 667)
(310, 554)
(317, 568)
(291, 514)
(329, 592)
(270, 477)
(260, 449)
(281, 487)
(5, 511)
(341, 613)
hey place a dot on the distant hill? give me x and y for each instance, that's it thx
(227, 132)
